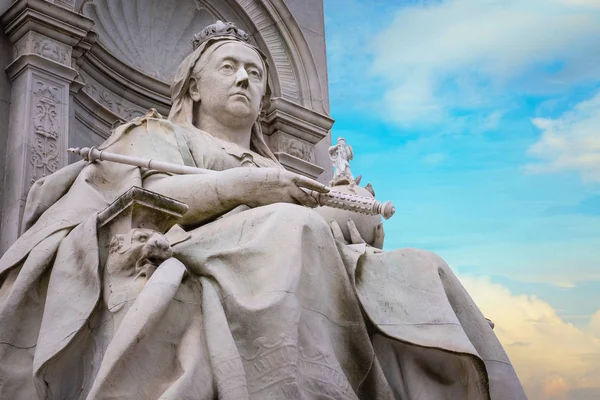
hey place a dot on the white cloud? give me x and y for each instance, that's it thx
(463, 54)
(570, 142)
(553, 358)
(595, 324)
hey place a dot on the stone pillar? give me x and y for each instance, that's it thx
(293, 133)
(43, 35)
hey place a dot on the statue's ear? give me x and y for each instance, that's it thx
(194, 90)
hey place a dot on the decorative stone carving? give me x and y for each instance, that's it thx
(36, 43)
(132, 259)
(133, 245)
(69, 4)
(44, 155)
(257, 280)
(53, 50)
(42, 35)
(293, 133)
(280, 358)
(131, 52)
(347, 226)
(283, 142)
(122, 108)
(219, 28)
(340, 155)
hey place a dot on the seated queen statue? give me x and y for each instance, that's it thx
(250, 295)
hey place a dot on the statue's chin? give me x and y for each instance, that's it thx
(239, 107)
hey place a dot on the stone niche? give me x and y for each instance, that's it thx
(78, 68)
(140, 44)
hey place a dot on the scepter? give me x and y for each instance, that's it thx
(333, 198)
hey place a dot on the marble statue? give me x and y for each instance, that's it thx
(352, 228)
(340, 155)
(131, 283)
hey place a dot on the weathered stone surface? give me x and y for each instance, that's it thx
(250, 296)
(42, 37)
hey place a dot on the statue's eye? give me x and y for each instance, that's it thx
(254, 73)
(227, 68)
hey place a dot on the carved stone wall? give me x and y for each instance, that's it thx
(309, 17)
(5, 85)
(49, 118)
(43, 36)
(36, 43)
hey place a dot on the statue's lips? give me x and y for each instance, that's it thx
(244, 95)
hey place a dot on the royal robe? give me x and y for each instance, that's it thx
(259, 304)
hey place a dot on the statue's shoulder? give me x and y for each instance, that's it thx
(149, 135)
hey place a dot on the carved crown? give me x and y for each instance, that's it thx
(219, 28)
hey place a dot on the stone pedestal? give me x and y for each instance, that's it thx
(137, 208)
(43, 36)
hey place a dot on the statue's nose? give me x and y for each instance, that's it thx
(158, 246)
(160, 242)
(241, 77)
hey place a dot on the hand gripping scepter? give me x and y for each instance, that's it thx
(335, 199)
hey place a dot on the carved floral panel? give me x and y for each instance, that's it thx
(47, 108)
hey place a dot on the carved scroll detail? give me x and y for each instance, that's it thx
(52, 50)
(44, 151)
(36, 43)
(282, 142)
(123, 109)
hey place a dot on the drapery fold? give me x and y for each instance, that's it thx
(263, 303)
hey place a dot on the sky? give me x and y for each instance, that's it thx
(480, 120)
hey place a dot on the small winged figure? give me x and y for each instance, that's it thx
(340, 156)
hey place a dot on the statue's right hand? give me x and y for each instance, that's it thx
(262, 186)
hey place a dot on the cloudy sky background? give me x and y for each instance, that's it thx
(480, 119)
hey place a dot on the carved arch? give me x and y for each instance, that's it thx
(125, 45)
(287, 46)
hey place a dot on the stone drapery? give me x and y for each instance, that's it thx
(271, 306)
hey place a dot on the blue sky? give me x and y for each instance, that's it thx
(480, 119)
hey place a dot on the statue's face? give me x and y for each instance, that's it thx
(232, 83)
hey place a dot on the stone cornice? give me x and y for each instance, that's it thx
(299, 166)
(138, 206)
(46, 18)
(297, 120)
(43, 64)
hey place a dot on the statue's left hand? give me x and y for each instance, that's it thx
(355, 237)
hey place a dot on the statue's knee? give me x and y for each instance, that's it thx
(295, 216)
